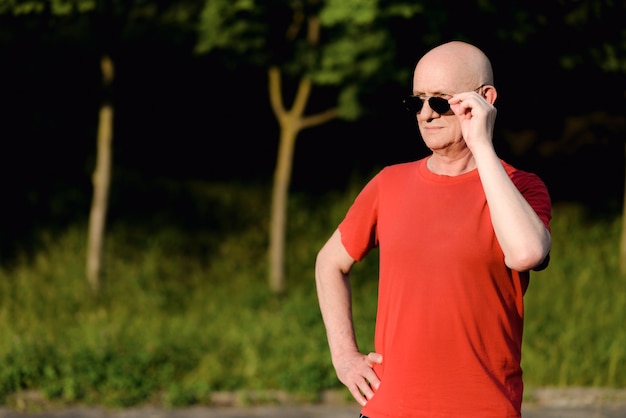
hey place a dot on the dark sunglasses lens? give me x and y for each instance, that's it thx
(413, 104)
(439, 105)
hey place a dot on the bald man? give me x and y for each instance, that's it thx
(458, 233)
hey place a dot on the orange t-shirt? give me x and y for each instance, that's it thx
(450, 313)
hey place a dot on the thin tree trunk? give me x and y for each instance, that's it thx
(622, 247)
(101, 180)
(291, 122)
(278, 222)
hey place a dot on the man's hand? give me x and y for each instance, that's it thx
(477, 117)
(356, 372)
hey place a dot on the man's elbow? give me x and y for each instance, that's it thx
(531, 259)
(326, 265)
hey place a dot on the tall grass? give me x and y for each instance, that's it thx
(575, 329)
(185, 311)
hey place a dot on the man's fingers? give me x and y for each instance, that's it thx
(360, 378)
(358, 394)
(374, 358)
(370, 375)
(362, 392)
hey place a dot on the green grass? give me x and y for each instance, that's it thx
(575, 329)
(185, 309)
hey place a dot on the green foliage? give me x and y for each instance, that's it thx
(357, 11)
(57, 7)
(185, 313)
(232, 24)
(354, 48)
(576, 309)
(587, 33)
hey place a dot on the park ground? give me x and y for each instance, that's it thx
(540, 403)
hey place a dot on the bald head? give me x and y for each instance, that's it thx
(454, 66)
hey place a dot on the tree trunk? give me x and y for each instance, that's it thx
(291, 122)
(278, 222)
(622, 247)
(101, 180)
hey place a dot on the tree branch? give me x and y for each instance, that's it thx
(318, 119)
(274, 86)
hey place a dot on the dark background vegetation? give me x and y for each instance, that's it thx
(181, 117)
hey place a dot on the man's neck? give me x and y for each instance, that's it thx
(446, 165)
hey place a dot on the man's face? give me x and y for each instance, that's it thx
(433, 85)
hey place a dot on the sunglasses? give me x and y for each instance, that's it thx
(439, 104)
(414, 104)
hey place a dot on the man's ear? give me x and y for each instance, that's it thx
(490, 93)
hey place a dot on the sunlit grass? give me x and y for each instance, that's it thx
(186, 312)
(576, 309)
